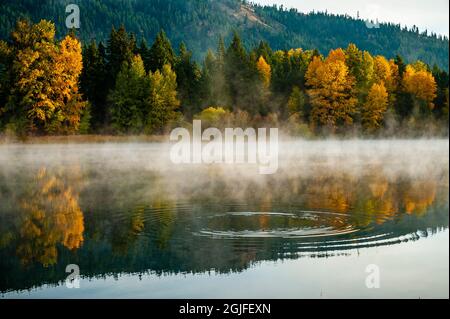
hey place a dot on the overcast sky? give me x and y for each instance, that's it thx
(425, 14)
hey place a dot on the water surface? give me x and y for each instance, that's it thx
(139, 226)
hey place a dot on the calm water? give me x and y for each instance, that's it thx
(139, 226)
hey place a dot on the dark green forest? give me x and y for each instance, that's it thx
(200, 23)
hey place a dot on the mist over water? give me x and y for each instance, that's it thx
(125, 208)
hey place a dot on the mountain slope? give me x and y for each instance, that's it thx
(199, 23)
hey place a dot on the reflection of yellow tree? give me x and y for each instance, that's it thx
(265, 205)
(379, 203)
(371, 198)
(51, 216)
(419, 196)
(331, 193)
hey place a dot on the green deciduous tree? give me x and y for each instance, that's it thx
(162, 101)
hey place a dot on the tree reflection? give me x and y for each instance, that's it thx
(50, 216)
(125, 233)
(419, 196)
(142, 221)
(335, 193)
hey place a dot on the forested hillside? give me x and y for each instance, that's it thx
(200, 23)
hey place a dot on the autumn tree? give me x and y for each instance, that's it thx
(373, 110)
(331, 91)
(43, 95)
(213, 116)
(264, 71)
(67, 70)
(420, 83)
(387, 72)
(29, 105)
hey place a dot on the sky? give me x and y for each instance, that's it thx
(425, 14)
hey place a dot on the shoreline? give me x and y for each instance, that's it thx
(103, 139)
(84, 139)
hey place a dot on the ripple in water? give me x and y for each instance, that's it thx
(305, 224)
(286, 231)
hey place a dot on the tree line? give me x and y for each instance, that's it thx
(125, 86)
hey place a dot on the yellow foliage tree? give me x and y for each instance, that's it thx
(68, 65)
(385, 71)
(213, 116)
(336, 55)
(373, 110)
(264, 71)
(331, 90)
(44, 94)
(421, 84)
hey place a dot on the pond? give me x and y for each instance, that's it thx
(334, 215)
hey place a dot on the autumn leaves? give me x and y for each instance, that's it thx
(42, 75)
(134, 89)
(349, 85)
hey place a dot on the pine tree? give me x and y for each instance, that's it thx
(442, 82)
(5, 84)
(128, 99)
(237, 71)
(297, 102)
(354, 61)
(403, 99)
(144, 52)
(265, 51)
(93, 81)
(188, 81)
(213, 84)
(161, 53)
(120, 49)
